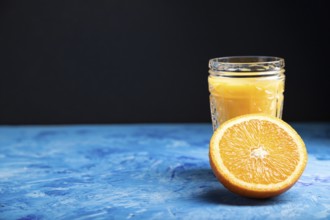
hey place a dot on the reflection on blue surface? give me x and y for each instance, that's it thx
(141, 172)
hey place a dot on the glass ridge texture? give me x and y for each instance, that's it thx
(245, 85)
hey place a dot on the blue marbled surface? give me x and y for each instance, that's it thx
(142, 172)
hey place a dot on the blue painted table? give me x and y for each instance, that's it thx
(141, 172)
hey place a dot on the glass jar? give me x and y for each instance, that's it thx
(245, 85)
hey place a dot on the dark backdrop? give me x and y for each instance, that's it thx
(123, 61)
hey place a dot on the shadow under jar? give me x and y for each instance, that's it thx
(244, 85)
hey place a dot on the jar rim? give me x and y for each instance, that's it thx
(246, 64)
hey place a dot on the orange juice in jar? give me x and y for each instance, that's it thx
(245, 85)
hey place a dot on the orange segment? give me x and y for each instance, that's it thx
(257, 155)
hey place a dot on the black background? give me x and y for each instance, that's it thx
(146, 61)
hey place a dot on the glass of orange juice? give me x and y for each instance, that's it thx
(245, 84)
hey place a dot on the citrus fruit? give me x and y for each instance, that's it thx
(257, 156)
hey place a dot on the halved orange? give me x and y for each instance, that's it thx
(257, 156)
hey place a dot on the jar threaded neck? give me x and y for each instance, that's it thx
(246, 64)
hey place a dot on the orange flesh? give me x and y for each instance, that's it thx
(252, 151)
